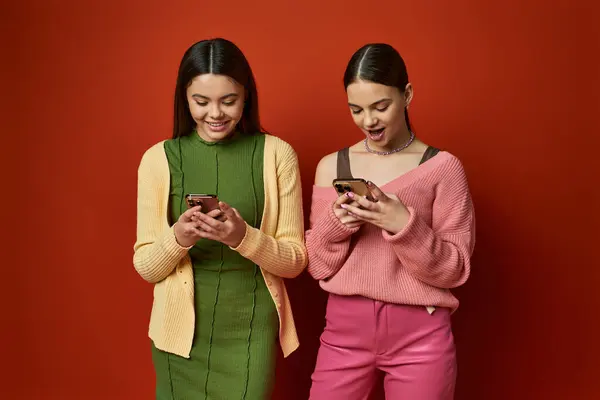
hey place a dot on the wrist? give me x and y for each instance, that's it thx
(181, 241)
(239, 237)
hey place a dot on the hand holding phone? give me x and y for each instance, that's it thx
(343, 186)
(186, 228)
(207, 203)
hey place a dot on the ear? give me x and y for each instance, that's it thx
(408, 94)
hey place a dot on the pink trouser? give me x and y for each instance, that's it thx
(414, 349)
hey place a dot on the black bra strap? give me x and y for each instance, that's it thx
(343, 164)
(429, 153)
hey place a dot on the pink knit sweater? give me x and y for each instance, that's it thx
(416, 266)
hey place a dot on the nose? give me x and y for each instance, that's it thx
(369, 120)
(215, 112)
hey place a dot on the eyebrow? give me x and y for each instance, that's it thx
(196, 95)
(373, 104)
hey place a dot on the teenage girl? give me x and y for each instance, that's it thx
(388, 264)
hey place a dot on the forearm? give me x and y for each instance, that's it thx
(284, 257)
(440, 259)
(328, 244)
(156, 259)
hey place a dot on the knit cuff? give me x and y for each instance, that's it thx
(249, 242)
(330, 229)
(414, 229)
(172, 246)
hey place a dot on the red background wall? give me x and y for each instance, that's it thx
(510, 87)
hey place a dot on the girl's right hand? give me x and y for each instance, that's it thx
(349, 220)
(187, 232)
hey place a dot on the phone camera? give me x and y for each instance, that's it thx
(347, 188)
(339, 187)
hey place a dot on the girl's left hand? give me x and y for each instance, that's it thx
(230, 232)
(387, 212)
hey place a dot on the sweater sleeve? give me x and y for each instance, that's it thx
(327, 240)
(439, 255)
(156, 252)
(283, 254)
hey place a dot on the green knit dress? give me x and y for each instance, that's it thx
(234, 349)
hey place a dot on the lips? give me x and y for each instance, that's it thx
(217, 126)
(375, 134)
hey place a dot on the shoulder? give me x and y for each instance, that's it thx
(450, 160)
(449, 168)
(281, 150)
(326, 170)
(153, 155)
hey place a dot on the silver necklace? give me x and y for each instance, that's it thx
(385, 153)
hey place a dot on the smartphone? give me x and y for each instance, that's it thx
(208, 202)
(355, 185)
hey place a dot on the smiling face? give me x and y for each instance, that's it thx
(216, 103)
(378, 110)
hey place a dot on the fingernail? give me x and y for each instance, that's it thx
(343, 206)
(369, 183)
(350, 194)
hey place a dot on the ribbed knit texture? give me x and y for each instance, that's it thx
(234, 349)
(416, 266)
(277, 247)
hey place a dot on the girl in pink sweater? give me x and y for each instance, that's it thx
(388, 264)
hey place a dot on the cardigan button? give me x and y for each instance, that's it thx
(270, 283)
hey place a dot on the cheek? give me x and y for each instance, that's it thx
(392, 118)
(357, 118)
(198, 112)
(235, 112)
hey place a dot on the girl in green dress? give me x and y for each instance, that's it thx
(238, 304)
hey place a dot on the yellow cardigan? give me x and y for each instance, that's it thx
(277, 248)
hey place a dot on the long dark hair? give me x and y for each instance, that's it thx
(379, 63)
(221, 57)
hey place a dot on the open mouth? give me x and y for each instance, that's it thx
(217, 126)
(375, 134)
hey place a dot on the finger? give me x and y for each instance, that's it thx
(377, 193)
(215, 213)
(201, 217)
(355, 224)
(349, 219)
(360, 201)
(341, 200)
(227, 209)
(359, 213)
(206, 235)
(187, 215)
(205, 227)
(237, 214)
(191, 230)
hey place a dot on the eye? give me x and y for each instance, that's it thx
(201, 104)
(382, 109)
(355, 111)
(229, 103)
